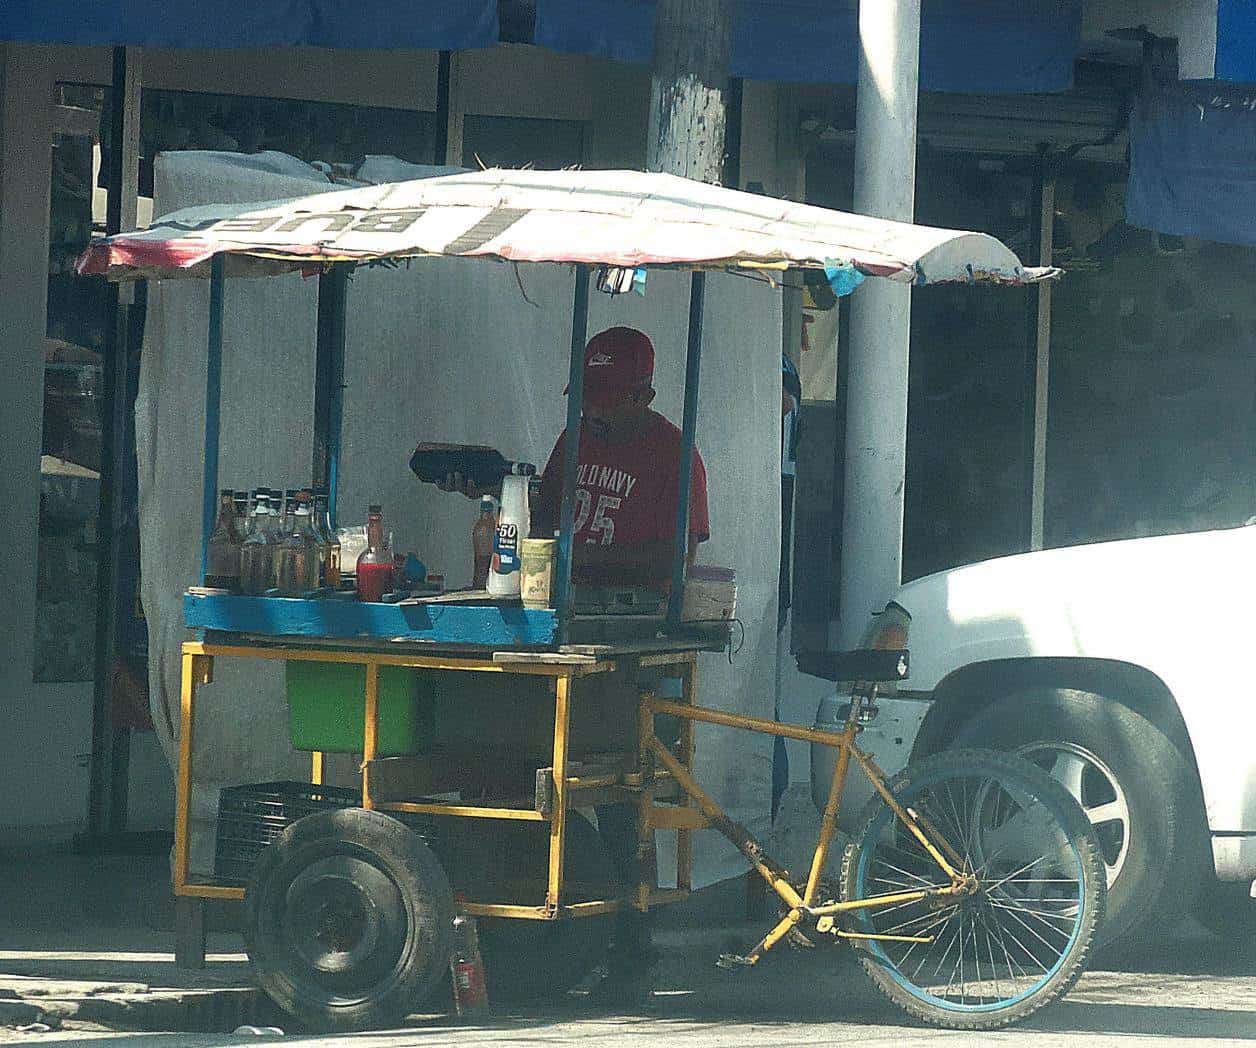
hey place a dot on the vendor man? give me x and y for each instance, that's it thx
(627, 480)
(627, 486)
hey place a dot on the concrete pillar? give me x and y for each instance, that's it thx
(25, 175)
(880, 324)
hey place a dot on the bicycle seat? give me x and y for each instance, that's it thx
(862, 664)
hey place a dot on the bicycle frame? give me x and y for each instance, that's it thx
(801, 905)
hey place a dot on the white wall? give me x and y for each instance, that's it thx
(47, 727)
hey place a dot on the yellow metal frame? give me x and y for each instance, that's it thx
(656, 763)
(197, 669)
(803, 904)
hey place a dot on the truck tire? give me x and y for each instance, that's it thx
(1135, 786)
(348, 921)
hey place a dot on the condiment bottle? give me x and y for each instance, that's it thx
(222, 556)
(482, 533)
(257, 554)
(375, 564)
(512, 526)
(296, 571)
(331, 542)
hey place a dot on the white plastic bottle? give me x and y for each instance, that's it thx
(513, 525)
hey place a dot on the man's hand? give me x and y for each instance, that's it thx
(460, 483)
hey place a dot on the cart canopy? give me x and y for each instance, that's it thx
(615, 218)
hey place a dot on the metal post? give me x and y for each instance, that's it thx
(876, 421)
(688, 437)
(329, 381)
(213, 397)
(440, 144)
(1040, 368)
(110, 745)
(564, 591)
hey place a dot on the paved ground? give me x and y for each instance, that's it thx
(63, 926)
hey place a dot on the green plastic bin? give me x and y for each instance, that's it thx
(327, 704)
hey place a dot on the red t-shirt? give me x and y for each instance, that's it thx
(626, 493)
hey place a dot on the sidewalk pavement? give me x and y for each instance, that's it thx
(88, 940)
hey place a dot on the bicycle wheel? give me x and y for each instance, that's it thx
(1019, 935)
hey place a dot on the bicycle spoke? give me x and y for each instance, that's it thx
(992, 947)
(912, 920)
(1038, 916)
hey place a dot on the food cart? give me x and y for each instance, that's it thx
(347, 912)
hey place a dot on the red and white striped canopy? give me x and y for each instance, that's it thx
(617, 218)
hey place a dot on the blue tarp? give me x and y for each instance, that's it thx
(1193, 163)
(966, 45)
(367, 24)
(1236, 41)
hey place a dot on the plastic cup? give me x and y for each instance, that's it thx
(537, 559)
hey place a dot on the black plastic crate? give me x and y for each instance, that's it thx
(252, 816)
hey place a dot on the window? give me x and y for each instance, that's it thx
(79, 311)
(501, 141)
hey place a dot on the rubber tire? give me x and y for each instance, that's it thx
(1065, 809)
(526, 959)
(424, 891)
(1169, 855)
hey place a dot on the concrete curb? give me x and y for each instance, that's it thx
(131, 1006)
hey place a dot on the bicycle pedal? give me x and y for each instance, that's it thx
(732, 962)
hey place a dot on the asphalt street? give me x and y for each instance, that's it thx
(1192, 988)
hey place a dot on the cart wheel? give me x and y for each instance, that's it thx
(348, 920)
(525, 959)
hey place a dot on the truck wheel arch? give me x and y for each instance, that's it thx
(969, 689)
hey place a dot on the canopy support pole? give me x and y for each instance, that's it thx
(329, 380)
(564, 591)
(213, 402)
(688, 438)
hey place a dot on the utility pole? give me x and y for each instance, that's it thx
(880, 317)
(689, 88)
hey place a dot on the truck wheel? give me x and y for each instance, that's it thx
(348, 920)
(1135, 787)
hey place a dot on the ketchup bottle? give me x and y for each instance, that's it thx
(375, 563)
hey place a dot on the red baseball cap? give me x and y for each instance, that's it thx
(617, 362)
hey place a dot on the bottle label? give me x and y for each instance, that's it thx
(470, 993)
(506, 549)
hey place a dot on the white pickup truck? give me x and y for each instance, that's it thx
(1121, 668)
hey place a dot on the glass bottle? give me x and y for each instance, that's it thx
(375, 564)
(484, 467)
(289, 506)
(241, 521)
(331, 542)
(222, 557)
(296, 561)
(257, 554)
(482, 533)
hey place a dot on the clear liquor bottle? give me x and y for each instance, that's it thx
(331, 542)
(296, 571)
(257, 554)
